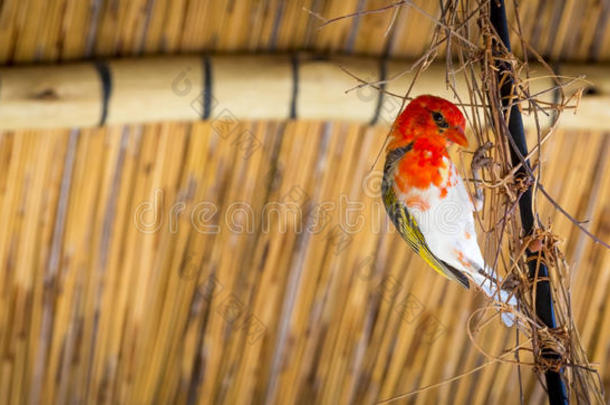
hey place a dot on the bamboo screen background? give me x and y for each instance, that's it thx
(119, 284)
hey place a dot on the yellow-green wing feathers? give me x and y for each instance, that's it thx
(405, 222)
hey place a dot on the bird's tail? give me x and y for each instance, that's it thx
(490, 288)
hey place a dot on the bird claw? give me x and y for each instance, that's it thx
(480, 159)
(510, 283)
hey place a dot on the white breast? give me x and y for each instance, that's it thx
(446, 221)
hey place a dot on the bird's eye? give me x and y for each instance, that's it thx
(439, 119)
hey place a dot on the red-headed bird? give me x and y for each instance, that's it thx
(426, 198)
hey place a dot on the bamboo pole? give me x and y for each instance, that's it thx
(232, 88)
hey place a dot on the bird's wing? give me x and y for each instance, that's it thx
(406, 224)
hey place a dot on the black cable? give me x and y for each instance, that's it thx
(383, 73)
(295, 86)
(207, 88)
(106, 80)
(544, 304)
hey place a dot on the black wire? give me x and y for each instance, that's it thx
(207, 88)
(106, 80)
(544, 304)
(295, 86)
(383, 72)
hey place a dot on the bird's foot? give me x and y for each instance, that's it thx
(511, 282)
(480, 160)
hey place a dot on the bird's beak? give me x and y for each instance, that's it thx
(456, 135)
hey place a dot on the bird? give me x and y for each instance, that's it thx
(427, 200)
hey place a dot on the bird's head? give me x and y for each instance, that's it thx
(432, 117)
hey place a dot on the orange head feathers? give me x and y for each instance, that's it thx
(429, 124)
(431, 117)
